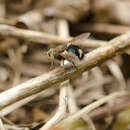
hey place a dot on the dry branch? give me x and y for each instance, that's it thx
(109, 110)
(117, 73)
(104, 28)
(94, 105)
(44, 38)
(61, 111)
(60, 74)
(7, 110)
(2, 125)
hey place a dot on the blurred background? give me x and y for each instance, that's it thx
(24, 57)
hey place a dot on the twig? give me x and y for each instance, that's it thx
(61, 111)
(20, 103)
(6, 120)
(116, 71)
(63, 28)
(28, 69)
(90, 121)
(15, 60)
(89, 85)
(98, 75)
(2, 125)
(25, 22)
(44, 38)
(73, 108)
(2, 9)
(7, 44)
(72, 105)
(13, 127)
(104, 28)
(60, 74)
(94, 105)
(7, 21)
(108, 110)
(111, 123)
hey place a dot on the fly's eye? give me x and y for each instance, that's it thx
(76, 50)
(72, 49)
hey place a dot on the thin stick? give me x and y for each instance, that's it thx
(116, 71)
(94, 105)
(104, 28)
(99, 78)
(60, 74)
(73, 108)
(13, 127)
(2, 125)
(6, 120)
(61, 111)
(89, 85)
(19, 104)
(72, 105)
(44, 38)
(108, 110)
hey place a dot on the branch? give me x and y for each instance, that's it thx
(108, 110)
(44, 38)
(60, 74)
(2, 125)
(104, 28)
(7, 110)
(116, 71)
(61, 111)
(94, 105)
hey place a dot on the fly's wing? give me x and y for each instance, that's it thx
(75, 40)
(79, 38)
